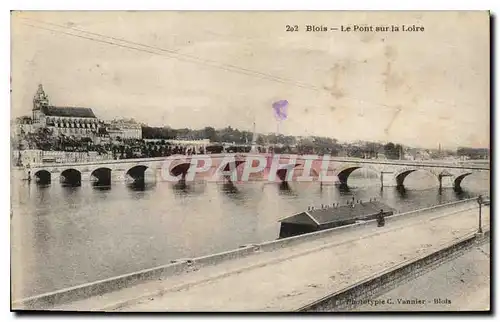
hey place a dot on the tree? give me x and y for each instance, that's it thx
(43, 139)
(210, 133)
(473, 153)
(393, 151)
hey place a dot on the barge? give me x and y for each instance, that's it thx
(333, 215)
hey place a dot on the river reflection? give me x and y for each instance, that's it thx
(65, 236)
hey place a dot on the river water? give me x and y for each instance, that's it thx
(65, 236)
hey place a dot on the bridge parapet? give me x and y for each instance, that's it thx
(432, 163)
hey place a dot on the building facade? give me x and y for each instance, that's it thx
(70, 121)
(22, 125)
(124, 130)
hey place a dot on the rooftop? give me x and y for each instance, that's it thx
(68, 111)
(330, 213)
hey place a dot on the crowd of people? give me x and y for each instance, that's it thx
(130, 149)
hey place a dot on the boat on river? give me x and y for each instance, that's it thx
(332, 215)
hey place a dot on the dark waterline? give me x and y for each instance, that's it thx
(65, 236)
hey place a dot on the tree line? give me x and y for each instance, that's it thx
(474, 153)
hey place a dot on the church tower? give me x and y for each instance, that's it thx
(39, 100)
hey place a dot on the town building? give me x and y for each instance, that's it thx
(70, 121)
(22, 125)
(422, 155)
(124, 129)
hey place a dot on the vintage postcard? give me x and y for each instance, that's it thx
(264, 161)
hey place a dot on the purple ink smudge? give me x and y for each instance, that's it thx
(280, 109)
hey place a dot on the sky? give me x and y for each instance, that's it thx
(197, 69)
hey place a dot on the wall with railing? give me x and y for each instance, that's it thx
(36, 157)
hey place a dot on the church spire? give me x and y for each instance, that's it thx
(40, 99)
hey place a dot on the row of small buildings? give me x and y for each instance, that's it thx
(78, 122)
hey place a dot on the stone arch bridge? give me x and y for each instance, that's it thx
(333, 170)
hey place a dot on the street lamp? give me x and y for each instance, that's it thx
(480, 202)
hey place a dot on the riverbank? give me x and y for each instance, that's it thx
(267, 281)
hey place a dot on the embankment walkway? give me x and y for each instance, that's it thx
(462, 284)
(283, 275)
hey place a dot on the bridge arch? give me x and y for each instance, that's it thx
(101, 176)
(458, 180)
(71, 177)
(137, 173)
(283, 171)
(401, 175)
(232, 167)
(180, 168)
(43, 177)
(344, 172)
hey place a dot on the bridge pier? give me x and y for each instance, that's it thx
(118, 175)
(86, 176)
(446, 181)
(55, 177)
(387, 179)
